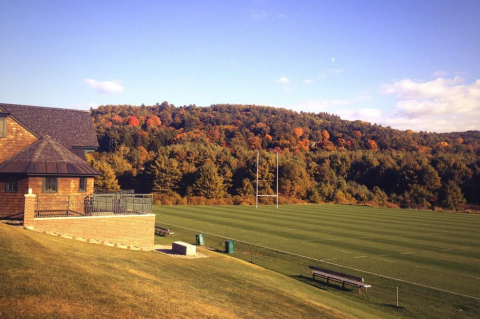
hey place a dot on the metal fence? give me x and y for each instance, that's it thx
(93, 205)
(124, 191)
(388, 298)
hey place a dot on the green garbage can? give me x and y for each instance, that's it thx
(229, 246)
(200, 239)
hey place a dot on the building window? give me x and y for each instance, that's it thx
(50, 185)
(3, 126)
(82, 186)
(11, 185)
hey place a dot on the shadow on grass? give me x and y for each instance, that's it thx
(215, 250)
(319, 284)
(394, 307)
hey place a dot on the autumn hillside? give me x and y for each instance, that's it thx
(206, 155)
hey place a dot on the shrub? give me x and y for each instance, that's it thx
(197, 200)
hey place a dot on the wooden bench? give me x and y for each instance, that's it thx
(163, 231)
(339, 277)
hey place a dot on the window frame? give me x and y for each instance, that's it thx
(84, 189)
(11, 181)
(44, 185)
(3, 123)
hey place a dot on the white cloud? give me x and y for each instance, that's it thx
(316, 106)
(333, 59)
(366, 114)
(283, 80)
(411, 89)
(106, 87)
(441, 105)
(92, 105)
(308, 81)
(330, 106)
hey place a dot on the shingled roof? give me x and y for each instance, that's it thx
(44, 157)
(72, 128)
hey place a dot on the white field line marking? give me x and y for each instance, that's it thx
(408, 253)
(334, 264)
(427, 268)
(360, 257)
(390, 261)
(343, 251)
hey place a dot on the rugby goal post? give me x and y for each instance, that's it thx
(257, 195)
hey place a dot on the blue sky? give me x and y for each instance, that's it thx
(408, 64)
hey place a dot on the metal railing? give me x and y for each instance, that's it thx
(124, 191)
(93, 205)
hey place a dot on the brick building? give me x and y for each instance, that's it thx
(43, 149)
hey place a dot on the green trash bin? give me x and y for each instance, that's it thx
(200, 239)
(229, 246)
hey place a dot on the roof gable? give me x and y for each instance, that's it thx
(72, 128)
(46, 156)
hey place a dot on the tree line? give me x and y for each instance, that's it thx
(207, 155)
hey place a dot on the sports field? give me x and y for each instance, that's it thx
(388, 247)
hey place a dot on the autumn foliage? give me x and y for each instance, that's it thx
(193, 154)
(133, 121)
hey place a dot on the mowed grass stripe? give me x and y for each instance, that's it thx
(360, 249)
(295, 228)
(469, 224)
(280, 232)
(355, 217)
(393, 214)
(324, 231)
(407, 244)
(365, 217)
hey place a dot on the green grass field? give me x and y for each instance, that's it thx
(388, 247)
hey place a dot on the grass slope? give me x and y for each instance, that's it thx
(43, 276)
(437, 249)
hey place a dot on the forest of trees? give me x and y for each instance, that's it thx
(207, 155)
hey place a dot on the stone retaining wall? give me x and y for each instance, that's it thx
(128, 230)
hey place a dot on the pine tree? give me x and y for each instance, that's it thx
(107, 181)
(165, 175)
(208, 183)
(452, 196)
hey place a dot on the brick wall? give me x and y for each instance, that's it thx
(18, 138)
(136, 230)
(66, 186)
(12, 204)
